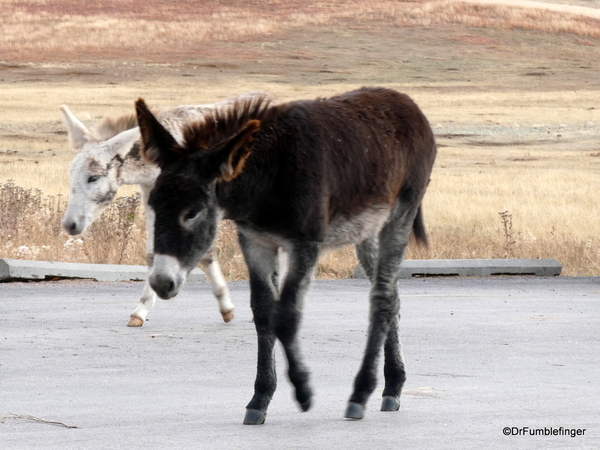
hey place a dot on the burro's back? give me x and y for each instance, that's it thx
(317, 165)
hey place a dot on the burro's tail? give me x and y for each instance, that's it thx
(419, 228)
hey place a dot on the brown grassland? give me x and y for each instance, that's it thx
(511, 92)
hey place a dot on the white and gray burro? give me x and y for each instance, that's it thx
(108, 157)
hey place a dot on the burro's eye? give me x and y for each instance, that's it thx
(93, 178)
(190, 214)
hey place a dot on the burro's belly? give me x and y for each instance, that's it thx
(355, 229)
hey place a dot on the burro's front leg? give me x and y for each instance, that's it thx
(287, 313)
(262, 265)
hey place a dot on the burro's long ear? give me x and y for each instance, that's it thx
(157, 142)
(122, 143)
(231, 157)
(77, 132)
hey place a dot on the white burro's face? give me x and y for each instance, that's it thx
(93, 186)
(94, 173)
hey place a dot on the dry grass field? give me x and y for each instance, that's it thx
(512, 94)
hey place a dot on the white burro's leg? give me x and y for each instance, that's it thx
(138, 316)
(219, 286)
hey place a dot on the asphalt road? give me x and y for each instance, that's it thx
(482, 354)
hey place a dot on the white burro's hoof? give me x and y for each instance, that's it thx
(135, 322)
(228, 316)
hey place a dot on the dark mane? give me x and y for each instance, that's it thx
(226, 120)
(109, 128)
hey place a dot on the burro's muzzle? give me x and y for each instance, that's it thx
(76, 219)
(73, 226)
(167, 276)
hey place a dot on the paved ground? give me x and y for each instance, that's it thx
(482, 354)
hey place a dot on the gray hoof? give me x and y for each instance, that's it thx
(254, 417)
(306, 405)
(354, 411)
(390, 403)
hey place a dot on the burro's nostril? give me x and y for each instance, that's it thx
(170, 287)
(163, 285)
(70, 227)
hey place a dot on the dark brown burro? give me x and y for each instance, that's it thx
(303, 176)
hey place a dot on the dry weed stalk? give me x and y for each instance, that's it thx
(509, 240)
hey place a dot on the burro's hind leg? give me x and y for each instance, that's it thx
(147, 300)
(366, 253)
(384, 317)
(219, 285)
(262, 267)
(217, 281)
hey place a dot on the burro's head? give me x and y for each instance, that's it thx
(184, 198)
(94, 171)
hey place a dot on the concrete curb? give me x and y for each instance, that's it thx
(475, 267)
(16, 269)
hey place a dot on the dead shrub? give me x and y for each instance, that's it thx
(30, 228)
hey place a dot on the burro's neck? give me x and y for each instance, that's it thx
(135, 170)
